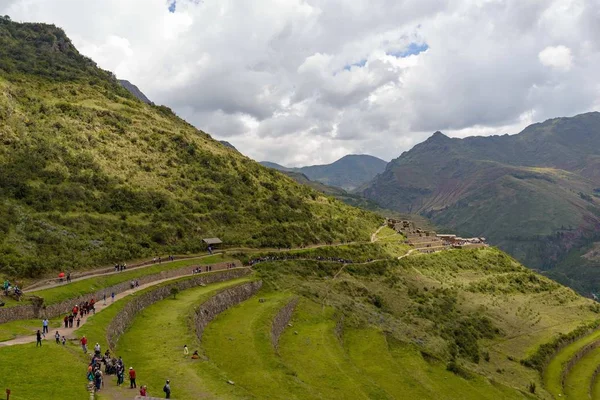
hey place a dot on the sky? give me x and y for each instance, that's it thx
(303, 82)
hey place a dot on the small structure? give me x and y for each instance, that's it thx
(212, 242)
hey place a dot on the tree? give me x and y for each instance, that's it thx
(174, 292)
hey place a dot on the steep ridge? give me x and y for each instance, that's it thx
(533, 194)
(91, 175)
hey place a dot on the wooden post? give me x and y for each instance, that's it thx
(7, 394)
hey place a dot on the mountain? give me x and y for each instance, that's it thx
(90, 175)
(134, 90)
(534, 194)
(348, 173)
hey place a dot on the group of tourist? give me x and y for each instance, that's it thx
(114, 366)
(120, 267)
(78, 312)
(10, 289)
(134, 284)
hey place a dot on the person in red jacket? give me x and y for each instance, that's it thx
(132, 378)
(143, 391)
(84, 344)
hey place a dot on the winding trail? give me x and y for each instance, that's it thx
(100, 305)
(374, 235)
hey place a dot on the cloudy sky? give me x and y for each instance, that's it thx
(307, 81)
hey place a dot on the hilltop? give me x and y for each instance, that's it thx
(348, 173)
(534, 194)
(89, 174)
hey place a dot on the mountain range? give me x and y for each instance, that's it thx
(348, 173)
(534, 194)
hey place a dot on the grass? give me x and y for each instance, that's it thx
(11, 330)
(403, 372)
(387, 234)
(238, 343)
(154, 346)
(49, 372)
(579, 379)
(91, 285)
(552, 373)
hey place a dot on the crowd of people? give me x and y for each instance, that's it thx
(114, 366)
(78, 312)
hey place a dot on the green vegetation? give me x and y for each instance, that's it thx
(91, 285)
(11, 330)
(238, 343)
(546, 353)
(49, 372)
(536, 205)
(579, 379)
(154, 347)
(90, 175)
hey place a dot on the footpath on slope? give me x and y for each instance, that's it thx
(100, 305)
(103, 271)
(54, 282)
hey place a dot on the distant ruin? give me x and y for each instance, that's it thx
(426, 241)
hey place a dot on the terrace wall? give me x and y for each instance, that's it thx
(125, 317)
(281, 321)
(30, 311)
(221, 302)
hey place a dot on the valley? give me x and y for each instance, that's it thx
(304, 294)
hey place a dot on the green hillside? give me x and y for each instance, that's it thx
(533, 194)
(91, 175)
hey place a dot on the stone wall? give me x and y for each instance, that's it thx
(281, 321)
(106, 270)
(125, 317)
(575, 359)
(221, 302)
(30, 311)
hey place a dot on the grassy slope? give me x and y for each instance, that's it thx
(403, 372)
(90, 175)
(154, 346)
(553, 372)
(577, 384)
(91, 285)
(422, 299)
(49, 372)
(238, 343)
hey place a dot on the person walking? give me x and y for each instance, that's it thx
(45, 326)
(120, 374)
(113, 296)
(38, 337)
(97, 348)
(132, 378)
(167, 389)
(66, 321)
(84, 344)
(57, 337)
(64, 341)
(185, 350)
(104, 298)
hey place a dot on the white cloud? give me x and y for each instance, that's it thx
(559, 57)
(307, 81)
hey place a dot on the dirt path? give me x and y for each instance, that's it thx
(374, 235)
(52, 283)
(100, 305)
